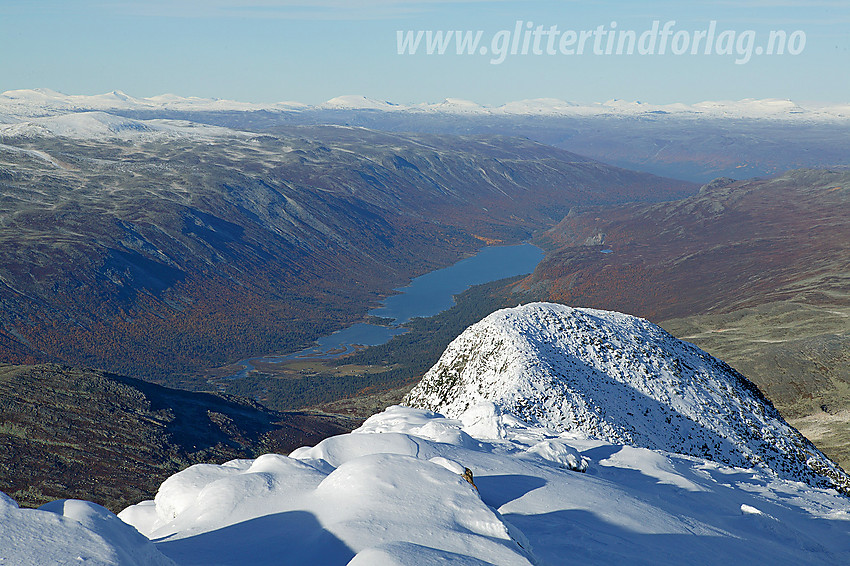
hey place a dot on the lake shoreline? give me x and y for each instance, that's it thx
(426, 295)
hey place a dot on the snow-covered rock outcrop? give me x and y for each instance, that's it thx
(621, 379)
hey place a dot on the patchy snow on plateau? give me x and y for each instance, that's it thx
(100, 125)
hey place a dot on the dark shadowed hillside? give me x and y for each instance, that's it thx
(77, 433)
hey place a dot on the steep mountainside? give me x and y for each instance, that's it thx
(82, 434)
(621, 379)
(153, 251)
(734, 245)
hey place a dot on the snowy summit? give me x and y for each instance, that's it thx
(621, 379)
(539, 462)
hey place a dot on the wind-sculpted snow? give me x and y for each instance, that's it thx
(621, 379)
(391, 493)
(376, 493)
(71, 532)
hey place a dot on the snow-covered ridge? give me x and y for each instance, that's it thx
(45, 102)
(21, 104)
(621, 379)
(100, 125)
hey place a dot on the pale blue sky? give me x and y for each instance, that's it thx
(310, 51)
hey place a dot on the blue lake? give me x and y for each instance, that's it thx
(426, 295)
(434, 292)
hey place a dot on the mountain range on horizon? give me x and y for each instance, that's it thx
(696, 142)
(38, 101)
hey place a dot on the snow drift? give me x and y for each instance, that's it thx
(71, 532)
(391, 493)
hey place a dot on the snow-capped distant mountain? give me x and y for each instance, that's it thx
(774, 109)
(101, 125)
(539, 106)
(453, 106)
(353, 102)
(29, 103)
(621, 379)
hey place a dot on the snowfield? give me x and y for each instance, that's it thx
(71, 532)
(100, 125)
(396, 490)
